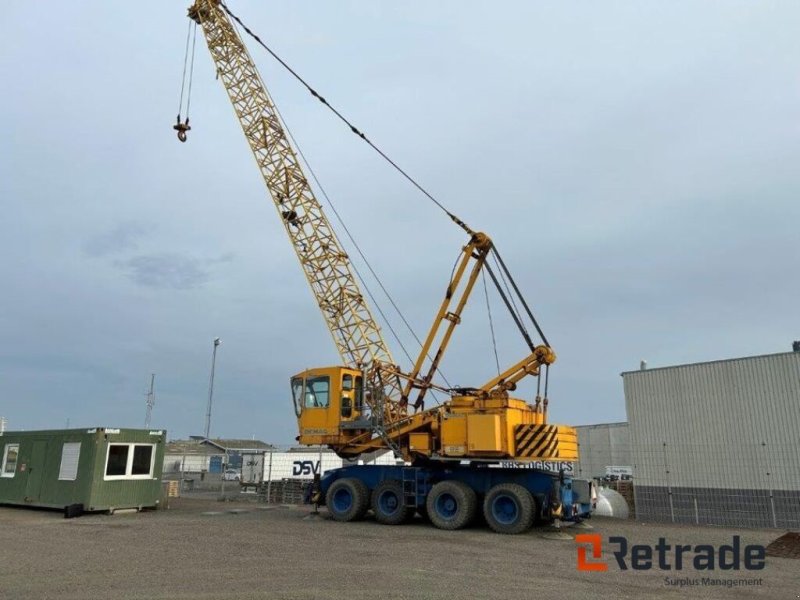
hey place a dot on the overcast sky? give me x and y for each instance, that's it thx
(635, 162)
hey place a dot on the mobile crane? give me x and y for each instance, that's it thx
(453, 452)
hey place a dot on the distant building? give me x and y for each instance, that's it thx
(209, 455)
(603, 450)
(717, 442)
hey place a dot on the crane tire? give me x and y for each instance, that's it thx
(347, 499)
(509, 508)
(451, 504)
(388, 503)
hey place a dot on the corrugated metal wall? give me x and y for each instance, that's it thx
(718, 442)
(601, 446)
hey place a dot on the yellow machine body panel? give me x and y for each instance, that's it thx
(484, 434)
(454, 435)
(330, 407)
(503, 428)
(325, 401)
(420, 443)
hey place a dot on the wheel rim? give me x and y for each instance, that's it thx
(505, 509)
(446, 506)
(388, 502)
(342, 500)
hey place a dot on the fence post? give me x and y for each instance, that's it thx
(669, 487)
(183, 471)
(769, 486)
(269, 479)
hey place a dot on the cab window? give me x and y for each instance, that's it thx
(297, 395)
(347, 382)
(317, 392)
(359, 395)
(347, 402)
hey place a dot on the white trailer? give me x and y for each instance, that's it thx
(261, 467)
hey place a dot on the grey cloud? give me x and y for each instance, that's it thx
(170, 271)
(125, 236)
(638, 173)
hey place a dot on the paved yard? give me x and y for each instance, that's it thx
(278, 552)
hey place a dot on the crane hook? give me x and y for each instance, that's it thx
(182, 128)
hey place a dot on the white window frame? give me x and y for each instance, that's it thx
(5, 460)
(129, 466)
(61, 473)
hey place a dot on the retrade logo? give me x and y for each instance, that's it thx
(669, 557)
(596, 543)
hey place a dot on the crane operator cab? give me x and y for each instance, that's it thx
(329, 404)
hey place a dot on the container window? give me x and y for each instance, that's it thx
(70, 455)
(10, 455)
(117, 460)
(130, 461)
(142, 460)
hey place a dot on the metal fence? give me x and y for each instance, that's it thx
(719, 484)
(280, 476)
(703, 483)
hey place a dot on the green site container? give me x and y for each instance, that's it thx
(99, 469)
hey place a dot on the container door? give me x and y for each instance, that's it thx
(35, 468)
(252, 468)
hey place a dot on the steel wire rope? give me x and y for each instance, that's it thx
(491, 323)
(352, 127)
(520, 296)
(517, 315)
(185, 62)
(501, 266)
(363, 257)
(519, 324)
(191, 72)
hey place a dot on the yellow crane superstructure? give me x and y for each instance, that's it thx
(369, 402)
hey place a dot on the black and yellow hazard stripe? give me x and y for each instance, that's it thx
(536, 441)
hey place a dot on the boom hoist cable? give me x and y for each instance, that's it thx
(383, 155)
(357, 337)
(359, 133)
(355, 244)
(183, 127)
(346, 121)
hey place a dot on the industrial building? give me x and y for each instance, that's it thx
(603, 450)
(98, 469)
(718, 442)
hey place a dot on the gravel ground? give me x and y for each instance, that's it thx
(278, 552)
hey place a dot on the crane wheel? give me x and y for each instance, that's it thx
(388, 503)
(451, 504)
(347, 499)
(509, 508)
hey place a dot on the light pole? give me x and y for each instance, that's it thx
(211, 387)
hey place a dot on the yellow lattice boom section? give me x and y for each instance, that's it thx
(326, 266)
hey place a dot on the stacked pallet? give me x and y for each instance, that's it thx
(625, 489)
(285, 491)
